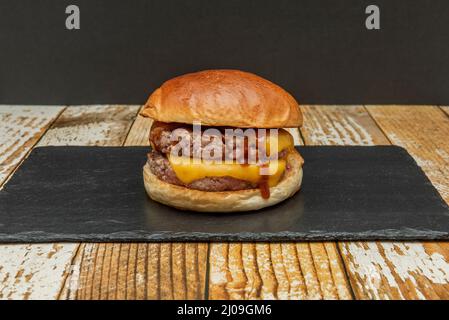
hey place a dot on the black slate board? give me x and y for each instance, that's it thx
(97, 194)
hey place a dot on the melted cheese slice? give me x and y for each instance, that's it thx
(284, 141)
(188, 170)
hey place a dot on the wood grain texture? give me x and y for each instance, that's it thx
(21, 127)
(138, 270)
(386, 270)
(340, 125)
(37, 271)
(277, 270)
(102, 125)
(445, 109)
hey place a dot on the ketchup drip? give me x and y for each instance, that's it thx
(264, 188)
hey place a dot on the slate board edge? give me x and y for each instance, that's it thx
(405, 234)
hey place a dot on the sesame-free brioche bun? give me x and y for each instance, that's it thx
(224, 98)
(225, 201)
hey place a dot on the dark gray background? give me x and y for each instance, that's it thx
(319, 50)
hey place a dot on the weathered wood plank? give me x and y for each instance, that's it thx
(445, 109)
(277, 270)
(340, 125)
(21, 127)
(392, 270)
(102, 125)
(37, 271)
(138, 271)
(384, 270)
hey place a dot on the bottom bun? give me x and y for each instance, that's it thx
(225, 201)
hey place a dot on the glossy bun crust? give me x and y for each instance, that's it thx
(224, 98)
(227, 201)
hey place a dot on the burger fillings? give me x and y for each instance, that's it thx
(213, 176)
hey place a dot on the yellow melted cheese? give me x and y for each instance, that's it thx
(285, 140)
(188, 170)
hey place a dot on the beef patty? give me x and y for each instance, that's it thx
(162, 140)
(160, 167)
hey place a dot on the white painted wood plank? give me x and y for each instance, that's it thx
(20, 128)
(38, 271)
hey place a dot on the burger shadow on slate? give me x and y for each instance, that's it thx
(277, 218)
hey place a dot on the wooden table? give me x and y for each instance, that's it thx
(319, 270)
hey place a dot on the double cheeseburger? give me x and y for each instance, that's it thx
(221, 99)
